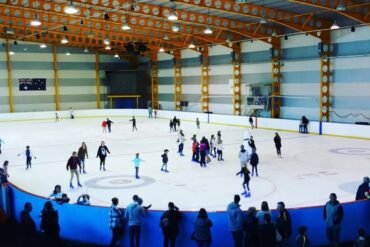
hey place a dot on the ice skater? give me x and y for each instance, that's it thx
(82, 154)
(245, 172)
(56, 117)
(277, 141)
(29, 156)
(254, 162)
(150, 112)
(155, 113)
(4, 172)
(197, 122)
(218, 136)
(252, 145)
(243, 157)
(71, 113)
(137, 161)
(203, 152)
(1, 142)
(103, 151)
(72, 164)
(164, 161)
(109, 124)
(251, 121)
(220, 147)
(171, 126)
(181, 140)
(195, 150)
(104, 126)
(213, 146)
(133, 120)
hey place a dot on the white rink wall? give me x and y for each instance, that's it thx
(339, 129)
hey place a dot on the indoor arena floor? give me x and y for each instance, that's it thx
(311, 168)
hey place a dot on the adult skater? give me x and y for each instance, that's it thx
(218, 136)
(220, 147)
(195, 150)
(164, 160)
(181, 140)
(150, 112)
(245, 172)
(1, 142)
(252, 145)
(277, 141)
(251, 121)
(109, 124)
(82, 154)
(243, 157)
(203, 152)
(137, 161)
(155, 113)
(254, 162)
(103, 151)
(197, 122)
(171, 126)
(212, 146)
(104, 126)
(29, 156)
(174, 122)
(133, 120)
(71, 113)
(56, 117)
(72, 164)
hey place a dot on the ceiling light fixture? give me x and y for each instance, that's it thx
(116, 55)
(165, 37)
(36, 22)
(43, 45)
(341, 6)
(173, 15)
(108, 47)
(175, 28)
(86, 50)
(229, 38)
(106, 42)
(263, 20)
(161, 49)
(334, 26)
(125, 26)
(70, 8)
(191, 45)
(64, 40)
(10, 31)
(208, 30)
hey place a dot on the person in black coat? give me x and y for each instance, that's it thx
(283, 224)
(304, 125)
(170, 225)
(277, 141)
(267, 233)
(133, 120)
(102, 154)
(109, 124)
(254, 160)
(50, 224)
(28, 226)
(362, 189)
(250, 228)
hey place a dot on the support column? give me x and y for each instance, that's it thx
(10, 84)
(177, 79)
(204, 79)
(56, 82)
(276, 79)
(97, 74)
(154, 78)
(237, 76)
(325, 81)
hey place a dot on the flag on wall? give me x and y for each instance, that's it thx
(32, 84)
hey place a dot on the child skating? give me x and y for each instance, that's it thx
(245, 172)
(137, 161)
(164, 161)
(109, 124)
(102, 154)
(254, 162)
(104, 126)
(29, 156)
(277, 141)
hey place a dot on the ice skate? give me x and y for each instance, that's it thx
(71, 186)
(79, 185)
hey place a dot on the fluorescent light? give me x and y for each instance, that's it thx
(334, 26)
(106, 42)
(36, 22)
(108, 47)
(208, 31)
(161, 49)
(172, 16)
(191, 45)
(43, 45)
(70, 9)
(64, 40)
(125, 26)
(175, 28)
(341, 6)
(11, 53)
(116, 55)
(68, 54)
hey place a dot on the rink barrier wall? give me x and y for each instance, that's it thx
(332, 129)
(89, 224)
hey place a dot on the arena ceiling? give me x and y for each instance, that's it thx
(144, 25)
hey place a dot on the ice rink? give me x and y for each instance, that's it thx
(311, 168)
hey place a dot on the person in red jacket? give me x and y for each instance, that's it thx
(104, 126)
(72, 164)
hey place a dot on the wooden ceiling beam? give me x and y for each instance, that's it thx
(355, 11)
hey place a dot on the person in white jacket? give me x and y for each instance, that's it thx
(243, 157)
(181, 140)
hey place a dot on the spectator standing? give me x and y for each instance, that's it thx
(363, 189)
(267, 232)
(116, 222)
(333, 216)
(283, 224)
(235, 219)
(305, 122)
(202, 229)
(302, 239)
(170, 225)
(361, 239)
(133, 215)
(264, 210)
(250, 228)
(50, 224)
(28, 226)
(251, 121)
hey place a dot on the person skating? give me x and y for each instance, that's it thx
(1, 142)
(197, 122)
(251, 144)
(181, 140)
(243, 156)
(212, 146)
(102, 153)
(171, 126)
(245, 172)
(155, 113)
(82, 154)
(29, 156)
(277, 141)
(220, 147)
(150, 112)
(218, 136)
(251, 121)
(254, 163)
(109, 124)
(164, 160)
(133, 120)
(72, 164)
(56, 117)
(195, 150)
(174, 122)
(71, 113)
(137, 161)
(203, 153)
(305, 122)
